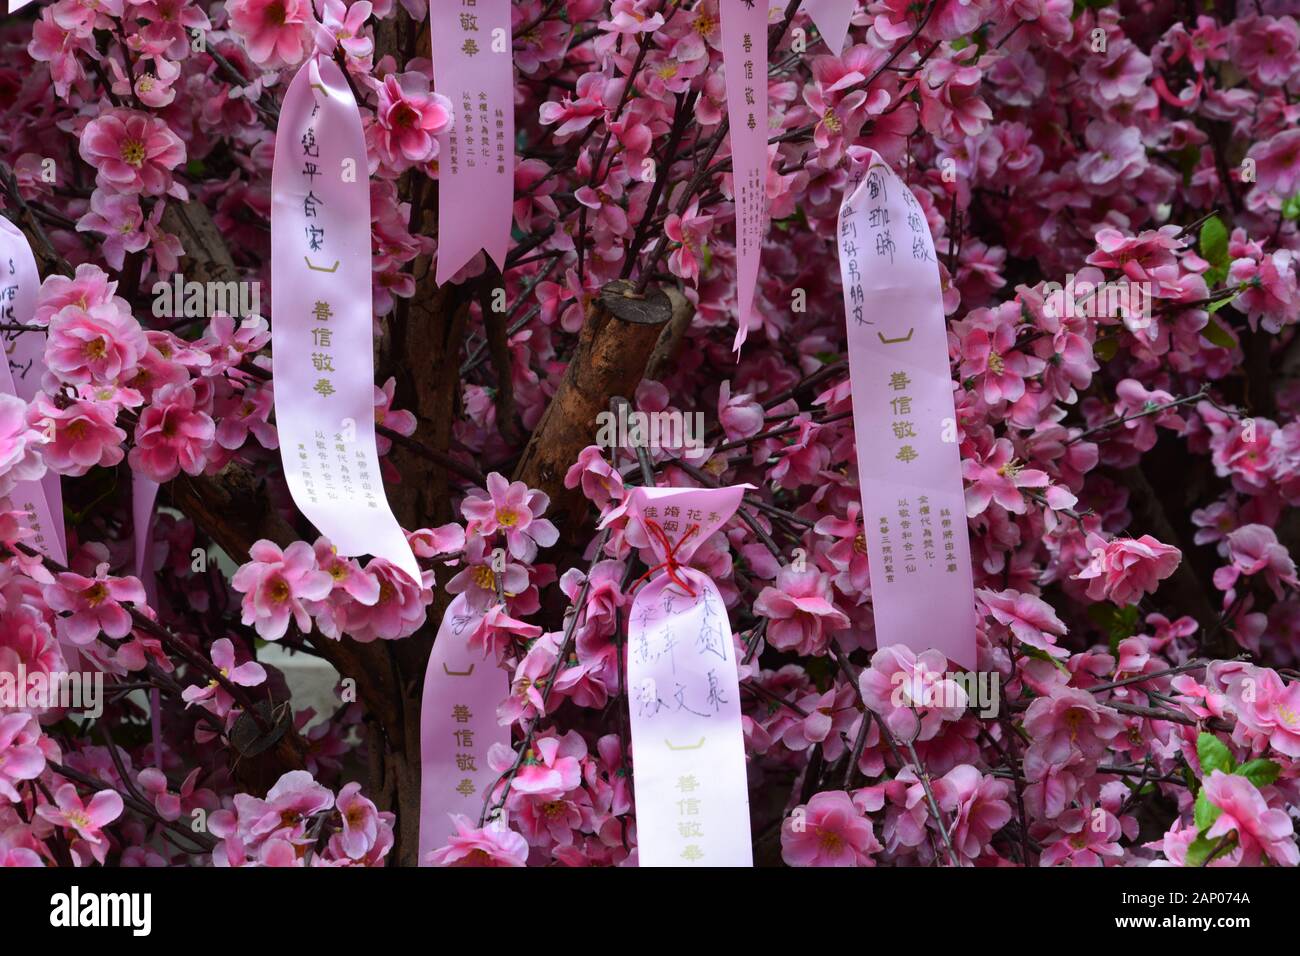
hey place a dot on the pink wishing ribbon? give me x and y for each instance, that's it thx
(21, 376)
(832, 18)
(473, 66)
(458, 725)
(913, 505)
(688, 748)
(744, 70)
(322, 330)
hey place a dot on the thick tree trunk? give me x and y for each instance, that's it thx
(614, 346)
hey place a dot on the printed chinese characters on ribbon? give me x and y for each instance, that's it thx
(904, 420)
(744, 63)
(322, 324)
(458, 725)
(473, 67)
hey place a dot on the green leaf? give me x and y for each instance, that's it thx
(1105, 349)
(1117, 622)
(1213, 754)
(1206, 812)
(1259, 771)
(1199, 850)
(1291, 207)
(1215, 332)
(1214, 241)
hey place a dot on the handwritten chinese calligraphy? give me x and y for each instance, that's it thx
(902, 400)
(687, 745)
(20, 375)
(322, 328)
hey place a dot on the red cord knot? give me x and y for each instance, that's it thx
(670, 563)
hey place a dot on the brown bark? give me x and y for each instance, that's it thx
(613, 348)
(665, 350)
(206, 257)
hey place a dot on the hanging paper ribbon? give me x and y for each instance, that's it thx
(909, 467)
(473, 67)
(832, 18)
(744, 70)
(458, 725)
(688, 748)
(322, 330)
(21, 376)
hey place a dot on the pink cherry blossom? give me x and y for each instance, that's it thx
(800, 611)
(275, 584)
(134, 152)
(1123, 569)
(828, 832)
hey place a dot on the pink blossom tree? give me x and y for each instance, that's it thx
(1131, 475)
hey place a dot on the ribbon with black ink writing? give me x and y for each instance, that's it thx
(322, 336)
(473, 66)
(744, 71)
(458, 725)
(21, 375)
(904, 421)
(688, 747)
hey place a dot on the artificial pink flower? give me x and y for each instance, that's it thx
(83, 435)
(86, 820)
(98, 345)
(1031, 619)
(134, 152)
(21, 756)
(977, 806)
(93, 604)
(1260, 829)
(408, 120)
(515, 510)
(1122, 570)
(1254, 549)
(275, 584)
(911, 691)
(397, 610)
(492, 845)
(20, 445)
(175, 434)
(360, 821)
(800, 611)
(276, 33)
(829, 831)
(1068, 721)
(247, 674)
(998, 478)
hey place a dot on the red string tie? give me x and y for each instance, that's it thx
(670, 563)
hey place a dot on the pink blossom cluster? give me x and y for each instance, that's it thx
(1131, 475)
